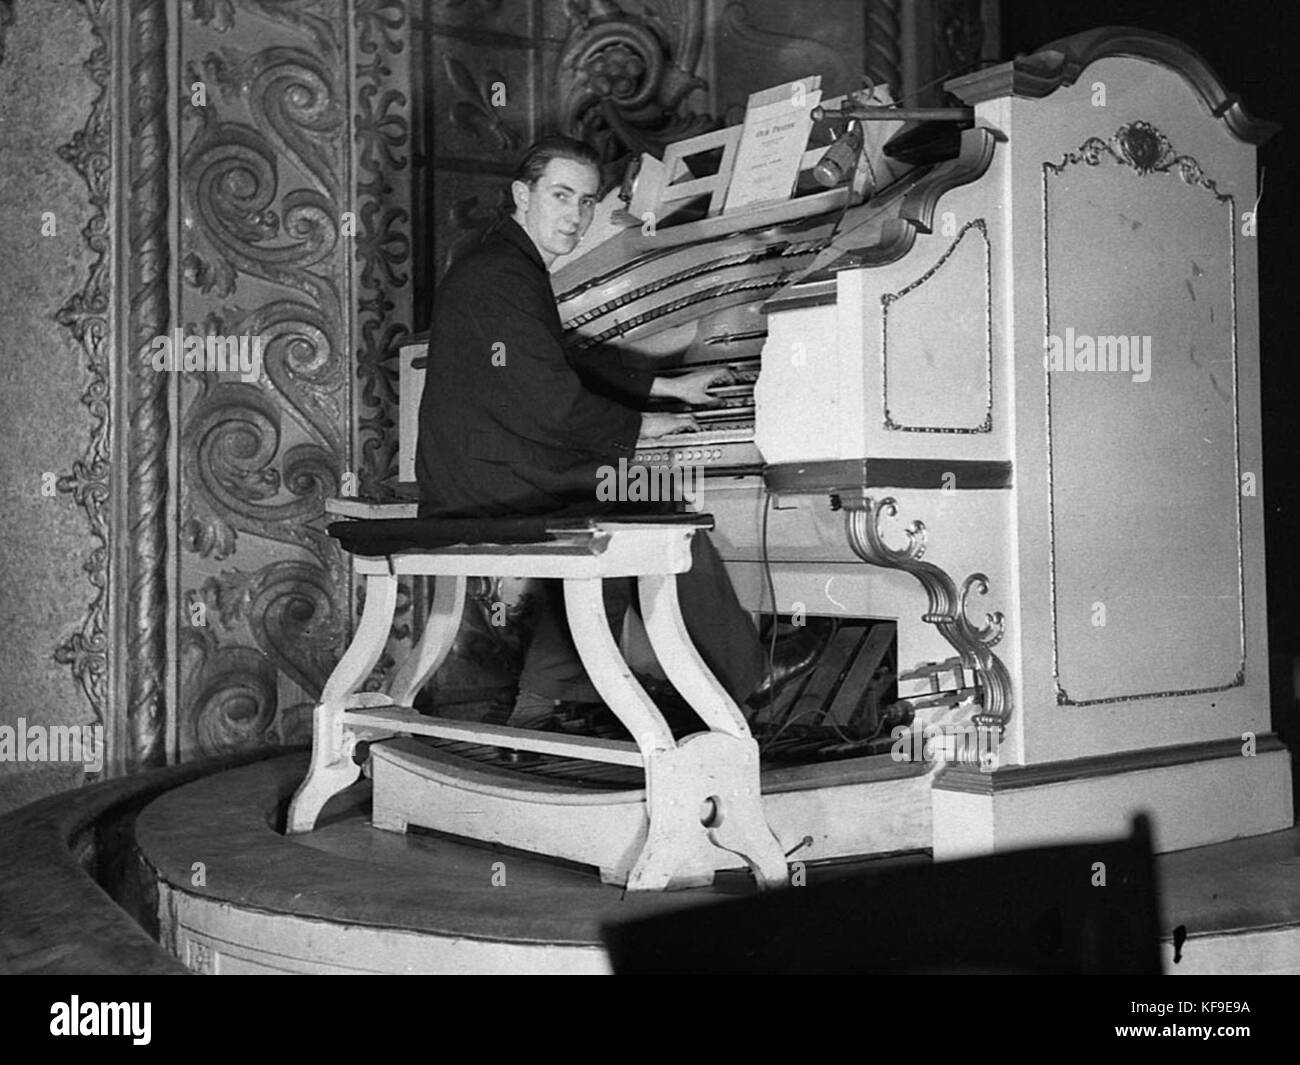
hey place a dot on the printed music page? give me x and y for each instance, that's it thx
(772, 142)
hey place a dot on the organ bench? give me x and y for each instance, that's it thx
(701, 808)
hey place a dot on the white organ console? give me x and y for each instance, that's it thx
(1010, 402)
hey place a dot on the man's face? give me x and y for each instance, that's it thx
(557, 209)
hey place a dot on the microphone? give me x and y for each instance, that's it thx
(840, 158)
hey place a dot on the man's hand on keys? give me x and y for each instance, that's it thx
(693, 387)
(655, 424)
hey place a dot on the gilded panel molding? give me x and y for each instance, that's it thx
(1144, 149)
(888, 299)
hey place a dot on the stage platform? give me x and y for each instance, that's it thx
(222, 890)
(351, 898)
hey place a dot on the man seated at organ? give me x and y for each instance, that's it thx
(515, 423)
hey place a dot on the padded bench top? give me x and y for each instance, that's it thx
(535, 537)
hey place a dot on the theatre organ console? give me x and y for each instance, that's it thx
(1071, 541)
(1009, 403)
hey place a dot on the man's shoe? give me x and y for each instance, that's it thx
(538, 712)
(677, 713)
(795, 656)
(532, 711)
(586, 718)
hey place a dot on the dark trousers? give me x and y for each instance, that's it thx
(721, 629)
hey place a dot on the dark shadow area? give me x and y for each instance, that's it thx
(1088, 908)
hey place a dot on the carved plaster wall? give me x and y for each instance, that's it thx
(297, 170)
(228, 167)
(262, 198)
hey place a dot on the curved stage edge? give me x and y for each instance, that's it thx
(184, 869)
(75, 898)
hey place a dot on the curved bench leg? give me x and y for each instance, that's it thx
(332, 768)
(728, 755)
(609, 672)
(435, 642)
(682, 663)
(709, 785)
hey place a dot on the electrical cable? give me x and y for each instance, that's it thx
(944, 77)
(771, 585)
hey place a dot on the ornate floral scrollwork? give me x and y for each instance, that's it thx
(85, 315)
(231, 185)
(947, 606)
(230, 694)
(238, 477)
(624, 78)
(219, 15)
(383, 247)
(290, 613)
(1145, 150)
(229, 444)
(291, 95)
(246, 466)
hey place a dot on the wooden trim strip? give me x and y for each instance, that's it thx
(971, 781)
(818, 294)
(842, 475)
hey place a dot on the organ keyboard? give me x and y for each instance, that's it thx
(724, 439)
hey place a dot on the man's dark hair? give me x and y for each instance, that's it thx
(539, 156)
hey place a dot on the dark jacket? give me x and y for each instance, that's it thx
(511, 422)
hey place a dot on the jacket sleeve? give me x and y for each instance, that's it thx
(603, 370)
(537, 393)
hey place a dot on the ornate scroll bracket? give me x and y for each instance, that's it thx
(947, 608)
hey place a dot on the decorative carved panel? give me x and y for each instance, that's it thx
(625, 76)
(262, 194)
(86, 315)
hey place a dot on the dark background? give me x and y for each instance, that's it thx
(1252, 48)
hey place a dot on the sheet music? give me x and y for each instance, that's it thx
(772, 142)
